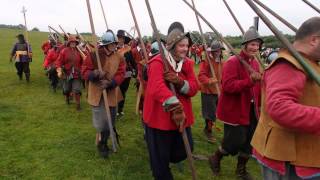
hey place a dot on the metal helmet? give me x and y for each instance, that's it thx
(154, 49)
(108, 38)
(215, 45)
(175, 34)
(250, 35)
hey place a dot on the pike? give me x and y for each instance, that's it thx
(286, 43)
(82, 39)
(50, 33)
(80, 51)
(104, 15)
(104, 92)
(23, 11)
(145, 54)
(294, 29)
(241, 29)
(233, 16)
(205, 50)
(221, 38)
(311, 5)
(161, 49)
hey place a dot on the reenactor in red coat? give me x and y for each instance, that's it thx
(287, 139)
(238, 105)
(165, 113)
(209, 93)
(68, 67)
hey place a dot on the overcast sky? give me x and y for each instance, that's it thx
(72, 14)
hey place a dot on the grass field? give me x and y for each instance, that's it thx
(43, 138)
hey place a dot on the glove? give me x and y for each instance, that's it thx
(212, 81)
(99, 75)
(255, 77)
(174, 79)
(104, 84)
(177, 115)
(60, 73)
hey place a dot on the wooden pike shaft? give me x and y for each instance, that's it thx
(233, 16)
(205, 50)
(104, 15)
(294, 29)
(184, 134)
(104, 92)
(312, 6)
(241, 29)
(145, 54)
(221, 38)
(285, 42)
(26, 29)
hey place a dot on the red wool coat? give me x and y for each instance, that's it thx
(238, 91)
(68, 58)
(157, 92)
(50, 58)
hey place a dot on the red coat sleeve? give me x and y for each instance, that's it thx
(60, 60)
(87, 67)
(284, 84)
(119, 76)
(157, 87)
(191, 78)
(203, 75)
(230, 78)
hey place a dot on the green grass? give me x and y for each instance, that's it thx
(43, 138)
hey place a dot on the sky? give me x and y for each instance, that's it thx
(71, 14)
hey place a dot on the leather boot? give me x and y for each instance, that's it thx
(208, 132)
(241, 170)
(102, 146)
(77, 97)
(215, 162)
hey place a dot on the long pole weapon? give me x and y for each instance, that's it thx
(24, 10)
(312, 6)
(294, 29)
(104, 92)
(221, 38)
(241, 29)
(104, 15)
(233, 16)
(184, 134)
(286, 43)
(205, 50)
(144, 50)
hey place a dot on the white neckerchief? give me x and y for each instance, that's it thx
(176, 66)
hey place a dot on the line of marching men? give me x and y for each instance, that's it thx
(275, 120)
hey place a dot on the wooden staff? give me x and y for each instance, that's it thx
(104, 92)
(286, 43)
(23, 11)
(294, 29)
(241, 29)
(233, 16)
(144, 50)
(312, 6)
(205, 50)
(221, 38)
(166, 67)
(104, 15)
